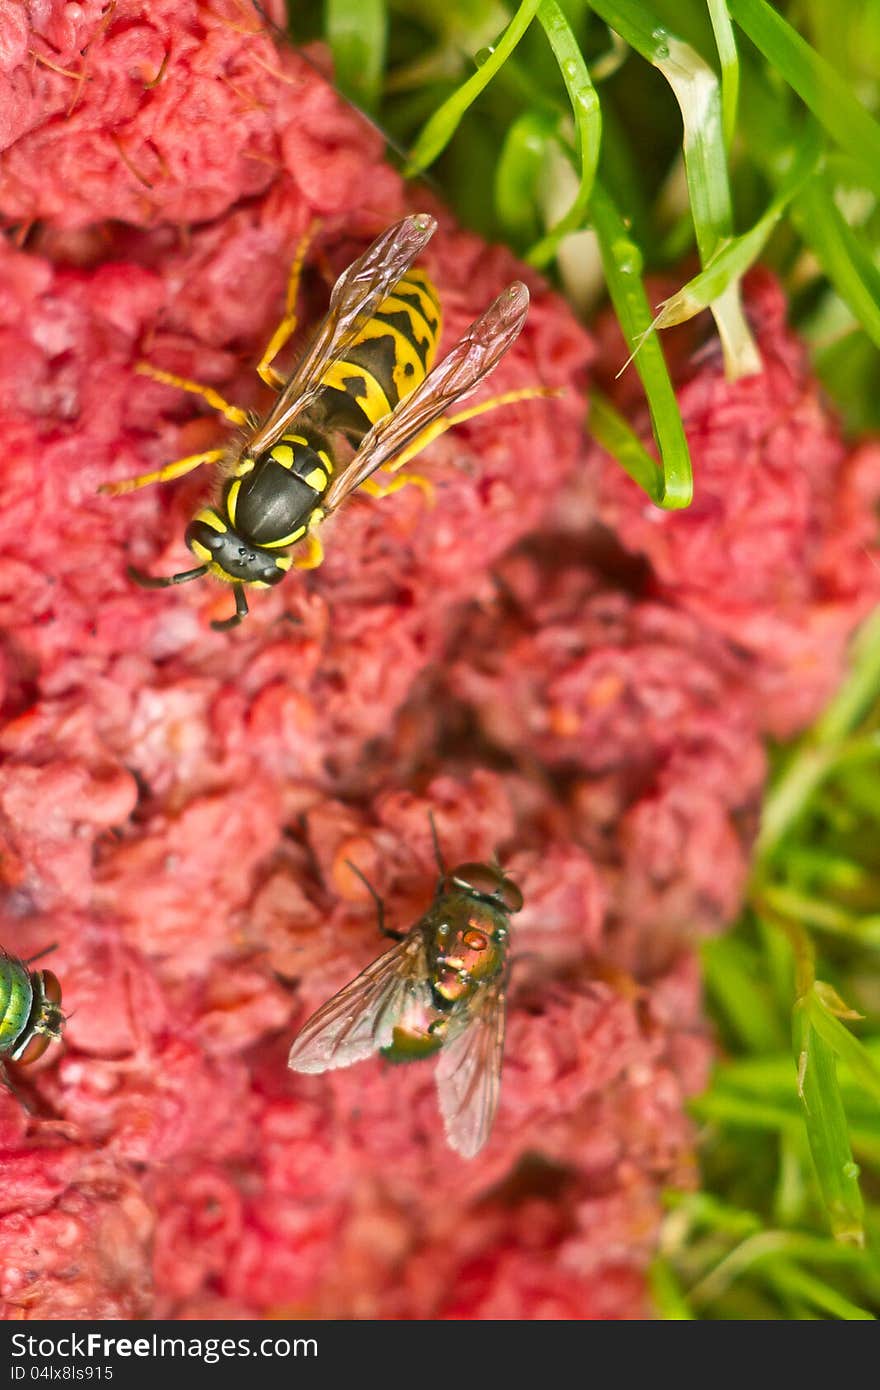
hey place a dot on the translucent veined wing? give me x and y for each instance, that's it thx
(360, 1019)
(356, 296)
(468, 1074)
(460, 372)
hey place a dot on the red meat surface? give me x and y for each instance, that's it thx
(178, 805)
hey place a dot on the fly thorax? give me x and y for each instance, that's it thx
(470, 948)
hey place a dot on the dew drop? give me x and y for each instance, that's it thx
(627, 256)
(484, 54)
(851, 1170)
(660, 38)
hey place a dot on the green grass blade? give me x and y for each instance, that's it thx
(622, 263)
(827, 1130)
(729, 59)
(356, 31)
(587, 122)
(610, 430)
(845, 1046)
(841, 253)
(517, 176)
(826, 93)
(740, 253)
(697, 92)
(442, 125)
(791, 1279)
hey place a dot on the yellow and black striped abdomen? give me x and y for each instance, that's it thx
(393, 354)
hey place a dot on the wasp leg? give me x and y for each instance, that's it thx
(149, 581)
(163, 475)
(214, 399)
(446, 422)
(241, 612)
(287, 327)
(374, 488)
(315, 555)
(380, 906)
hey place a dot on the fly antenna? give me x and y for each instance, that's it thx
(435, 840)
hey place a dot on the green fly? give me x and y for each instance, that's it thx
(30, 1009)
(439, 989)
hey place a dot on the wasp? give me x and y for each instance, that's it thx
(439, 989)
(364, 396)
(30, 1010)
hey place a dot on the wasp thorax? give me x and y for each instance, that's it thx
(228, 555)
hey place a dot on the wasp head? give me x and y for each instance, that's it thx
(230, 556)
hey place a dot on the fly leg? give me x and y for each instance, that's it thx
(446, 422)
(380, 906)
(287, 327)
(233, 413)
(163, 475)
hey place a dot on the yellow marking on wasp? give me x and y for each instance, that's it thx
(163, 475)
(405, 354)
(314, 555)
(373, 401)
(245, 465)
(422, 330)
(232, 499)
(283, 454)
(285, 540)
(210, 518)
(326, 460)
(317, 479)
(296, 439)
(283, 562)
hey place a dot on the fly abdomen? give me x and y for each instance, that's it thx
(271, 501)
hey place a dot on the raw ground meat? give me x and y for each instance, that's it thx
(178, 806)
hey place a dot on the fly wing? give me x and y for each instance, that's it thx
(460, 373)
(468, 1074)
(356, 296)
(360, 1019)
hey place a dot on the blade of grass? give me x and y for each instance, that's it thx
(846, 1047)
(356, 30)
(442, 125)
(827, 94)
(610, 430)
(622, 263)
(827, 1130)
(842, 253)
(739, 254)
(729, 59)
(697, 92)
(587, 122)
(520, 164)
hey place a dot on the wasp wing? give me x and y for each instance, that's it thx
(356, 296)
(360, 1019)
(468, 1074)
(460, 372)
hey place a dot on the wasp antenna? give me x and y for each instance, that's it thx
(435, 840)
(241, 611)
(149, 581)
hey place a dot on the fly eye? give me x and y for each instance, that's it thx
(510, 895)
(51, 987)
(35, 1048)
